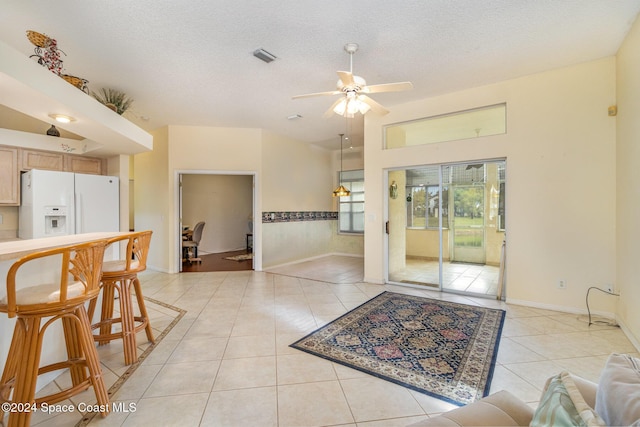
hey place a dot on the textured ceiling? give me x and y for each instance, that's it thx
(190, 62)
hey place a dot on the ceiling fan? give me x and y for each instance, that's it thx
(354, 90)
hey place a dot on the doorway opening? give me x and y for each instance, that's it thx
(446, 227)
(224, 202)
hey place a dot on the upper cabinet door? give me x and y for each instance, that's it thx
(33, 159)
(9, 177)
(79, 164)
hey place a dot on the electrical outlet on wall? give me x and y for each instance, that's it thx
(608, 288)
(562, 284)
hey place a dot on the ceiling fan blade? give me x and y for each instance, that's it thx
(330, 112)
(308, 95)
(375, 107)
(346, 78)
(388, 87)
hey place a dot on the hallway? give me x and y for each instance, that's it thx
(218, 262)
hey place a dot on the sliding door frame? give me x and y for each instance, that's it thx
(386, 207)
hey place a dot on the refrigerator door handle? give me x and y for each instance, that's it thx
(79, 213)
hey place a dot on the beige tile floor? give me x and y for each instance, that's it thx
(332, 268)
(227, 361)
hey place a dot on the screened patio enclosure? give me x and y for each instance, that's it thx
(447, 226)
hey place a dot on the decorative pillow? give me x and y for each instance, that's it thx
(618, 395)
(563, 405)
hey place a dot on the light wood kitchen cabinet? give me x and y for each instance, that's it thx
(35, 159)
(13, 160)
(81, 164)
(9, 177)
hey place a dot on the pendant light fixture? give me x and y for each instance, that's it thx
(341, 191)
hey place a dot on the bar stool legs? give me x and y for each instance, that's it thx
(22, 367)
(127, 318)
(121, 276)
(144, 316)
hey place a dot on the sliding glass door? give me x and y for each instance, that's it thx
(446, 226)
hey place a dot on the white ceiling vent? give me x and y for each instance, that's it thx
(264, 55)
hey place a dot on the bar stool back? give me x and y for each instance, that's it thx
(78, 282)
(121, 275)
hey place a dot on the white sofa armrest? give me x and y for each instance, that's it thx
(499, 409)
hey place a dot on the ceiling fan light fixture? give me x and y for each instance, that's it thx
(348, 107)
(353, 106)
(341, 108)
(363, 107)
(353, 88)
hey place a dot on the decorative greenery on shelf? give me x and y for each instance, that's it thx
(114, 99)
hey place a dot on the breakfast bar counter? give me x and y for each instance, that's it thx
(14, 249)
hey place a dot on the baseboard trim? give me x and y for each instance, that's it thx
(628, 334)
(561, 308)
(374, 281)
(159, 270)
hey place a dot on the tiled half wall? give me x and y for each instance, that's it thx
(294, 236)
(296, 216)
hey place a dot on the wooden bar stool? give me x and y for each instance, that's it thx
(78, 281)
(120, 276)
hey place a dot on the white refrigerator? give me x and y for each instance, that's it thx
(59, 203)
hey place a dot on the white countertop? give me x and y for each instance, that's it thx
(14, 249)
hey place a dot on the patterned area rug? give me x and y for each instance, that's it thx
(444, 349)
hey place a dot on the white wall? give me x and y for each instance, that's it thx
(560, 205)
(290, 176)
(153, 197)
(286, 242)
(197, 149)
(297, 176)
(628, 183)
(224, 203)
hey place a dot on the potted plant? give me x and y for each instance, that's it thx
(114, 99)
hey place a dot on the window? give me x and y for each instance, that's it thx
(423, 207)
(423, 198)
(351, 212)
(475, 123)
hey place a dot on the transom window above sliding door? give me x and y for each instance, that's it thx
(475, 123)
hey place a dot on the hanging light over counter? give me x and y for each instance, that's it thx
(341, 191)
